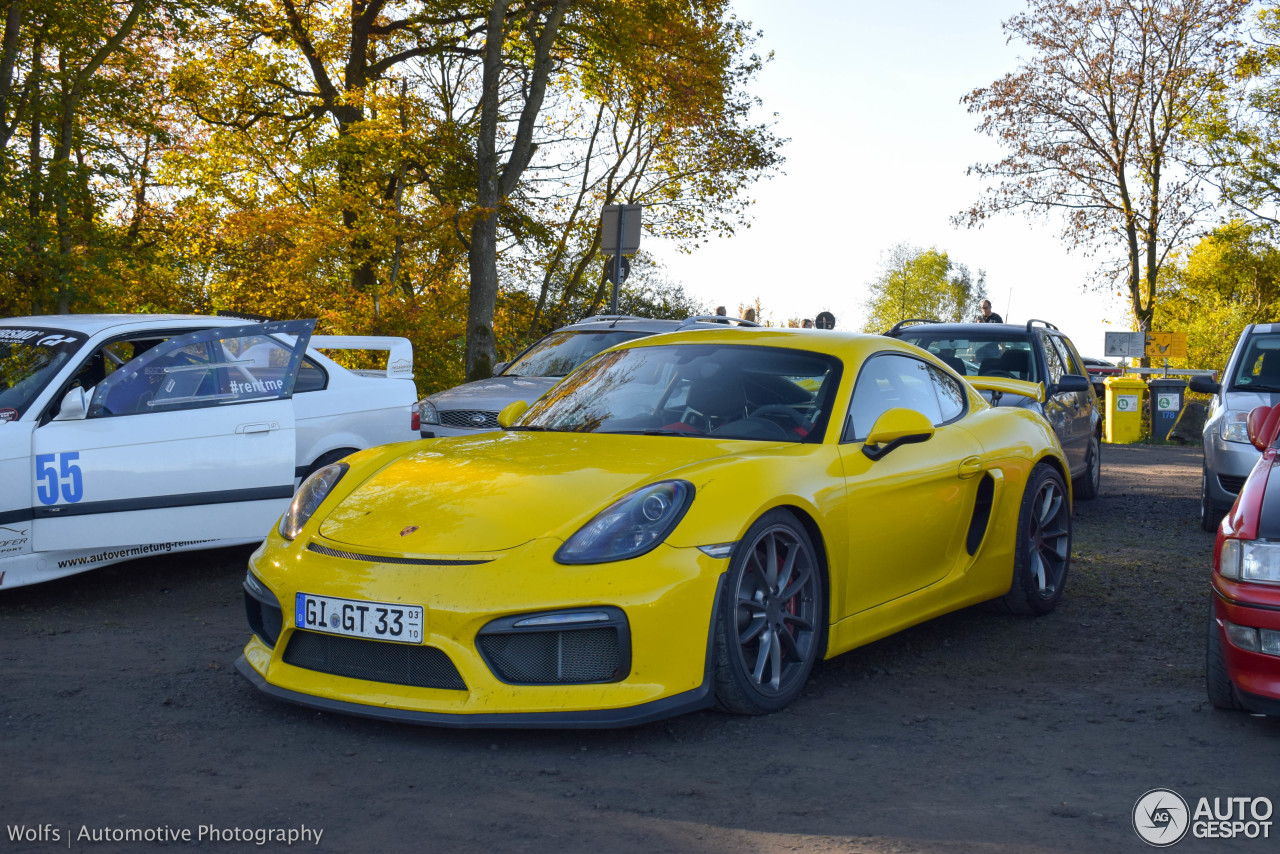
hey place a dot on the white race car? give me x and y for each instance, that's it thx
(127, 435)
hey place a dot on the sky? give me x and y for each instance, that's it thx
(869, 95)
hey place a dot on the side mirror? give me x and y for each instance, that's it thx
(499, 368)
(894, 428)
(511, 413)
(1204, 385)
(74, 406)
(1262, 425)
(1071, 383)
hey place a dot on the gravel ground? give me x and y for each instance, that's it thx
(120, 709)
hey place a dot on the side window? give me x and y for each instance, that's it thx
(311, 377)
(951, 397)
(1070, 357)
(1052, 357)
(886, 382)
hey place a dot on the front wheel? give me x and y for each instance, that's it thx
(772, 618)
(1217, 680)
(1043, 550)
(1209, 515)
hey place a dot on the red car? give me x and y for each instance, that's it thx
(1242, 669)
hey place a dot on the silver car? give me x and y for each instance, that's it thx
(1251, 378)
(473, 407)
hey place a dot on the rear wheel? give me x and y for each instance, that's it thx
(1217, 680)
(1043, 553)
(772, 618)
(1087, 486)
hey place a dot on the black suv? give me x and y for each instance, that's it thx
(1037, 353)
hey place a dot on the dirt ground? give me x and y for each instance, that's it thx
(120, 709)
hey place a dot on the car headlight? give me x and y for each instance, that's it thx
(631, 526)
(309, 497)
(1250, 560)
(1235, 427)
(427, 412)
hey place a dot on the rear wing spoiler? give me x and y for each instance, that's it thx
(399, 351)
(1003, 385)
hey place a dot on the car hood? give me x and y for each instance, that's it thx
(494, 492)
(1244, 401)
(493, 393)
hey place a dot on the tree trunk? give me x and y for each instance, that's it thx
(492, 186)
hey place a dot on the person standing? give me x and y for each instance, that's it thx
(989, 316)
(749, 315)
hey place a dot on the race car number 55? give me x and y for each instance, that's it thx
(360, 619)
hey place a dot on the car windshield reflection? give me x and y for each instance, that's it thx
(720, 391)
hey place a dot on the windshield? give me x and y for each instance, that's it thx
(560, 352)
(725, 391)
(1259, 368)
(981, 355)
(29, 360)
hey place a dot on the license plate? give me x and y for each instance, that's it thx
(356, 618)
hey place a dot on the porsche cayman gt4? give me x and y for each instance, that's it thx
(687, 520)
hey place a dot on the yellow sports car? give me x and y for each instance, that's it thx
(686, 520)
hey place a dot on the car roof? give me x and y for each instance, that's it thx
(655, 325)
(848, 346)
(92, 324)
(1008, 329)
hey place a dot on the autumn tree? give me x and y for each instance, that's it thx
(922, 283)
(1239, 128)
(1228, 279)
(1095, 125)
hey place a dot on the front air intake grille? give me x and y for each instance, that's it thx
(572, 646)
(376, 661)
(554, 658)
(469, 419)
(265, 619)
(1231, 484)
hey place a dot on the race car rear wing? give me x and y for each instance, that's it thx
(399, 355)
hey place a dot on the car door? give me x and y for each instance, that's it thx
(194, 439)
(1067, 411)
(908, 511)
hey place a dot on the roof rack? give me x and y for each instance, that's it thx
(1045, 322)
(909, 321)
(716, 318)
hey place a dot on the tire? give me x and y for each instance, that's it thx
(1089, 483)
(1209, 515)
(1217, 682)
(770, 625)
(1043, 553)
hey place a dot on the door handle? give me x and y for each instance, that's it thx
(258, 427)
(969, 467)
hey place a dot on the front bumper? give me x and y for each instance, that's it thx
(1229, 464)
(667, 596)
(1255, 675)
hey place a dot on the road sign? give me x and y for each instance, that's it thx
(629, 233)
(825, 320)
(1125, 344)
(626, 269)
(1166, 345)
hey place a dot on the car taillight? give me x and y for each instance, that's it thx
(415, 420)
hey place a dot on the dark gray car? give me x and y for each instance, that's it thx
(1039, 353)
(473, 407)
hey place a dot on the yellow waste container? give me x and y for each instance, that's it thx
(1124, 409)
